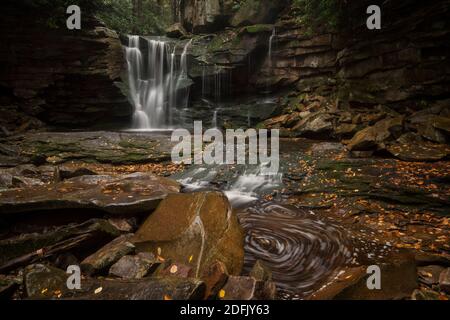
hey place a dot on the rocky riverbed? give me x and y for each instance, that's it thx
(141, 227)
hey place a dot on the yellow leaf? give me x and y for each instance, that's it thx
(222, 294)
(191, 258)
(98, 290)
(174, 269)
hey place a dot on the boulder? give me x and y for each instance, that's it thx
(247, 288)
(45, 282)
(371, 137)
(108, 255)
(134, 267)
(195, 229)
(315, 125)
(122, 194)
(398, 281)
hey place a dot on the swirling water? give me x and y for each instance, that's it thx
(302, 251)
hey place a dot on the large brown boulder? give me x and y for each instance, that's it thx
(195, 229)
(372, 136)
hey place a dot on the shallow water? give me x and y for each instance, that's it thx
(302, 250)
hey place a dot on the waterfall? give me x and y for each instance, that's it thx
(157, 84)
(272, 37)
(214, 120)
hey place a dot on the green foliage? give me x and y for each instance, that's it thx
(320, 13)
(155, 15)
(118, 15)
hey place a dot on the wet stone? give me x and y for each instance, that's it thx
(45, 282)
(134, 267)
(425, 294)
(177, 270)
(83, 236)
(122, 194)
(429, 275)
(215, 277)
(261, 272)
(247, 288)
(194, 229)
(444, 280)
(108, 255)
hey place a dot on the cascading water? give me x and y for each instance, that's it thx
(158, 85)
(272, 37)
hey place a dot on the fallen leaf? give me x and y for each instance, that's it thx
(98, 290)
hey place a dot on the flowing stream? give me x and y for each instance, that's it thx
(302, 250)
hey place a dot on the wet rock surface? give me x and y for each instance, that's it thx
(133, 193)
(194, 229)
(248, 288)
(134, 267)
(44, 282)
(328, 216)
(25, 248)
(108, 255)
(102, 147)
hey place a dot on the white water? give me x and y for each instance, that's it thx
(272, 37)
(247, 187)
(214, 120)
(157, 82)
(251, 184)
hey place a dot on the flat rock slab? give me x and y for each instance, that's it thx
(122, 194)
(103, 147)
(398, 281)
(94, 231)
(411, 147)
(45, 282)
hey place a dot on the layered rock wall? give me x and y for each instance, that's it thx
(406, 61)
(62, 77)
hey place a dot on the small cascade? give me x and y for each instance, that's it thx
(250, 185)
(272, 37)
(214, 120)
(158, 84)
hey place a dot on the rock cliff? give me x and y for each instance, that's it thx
(61, 77)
